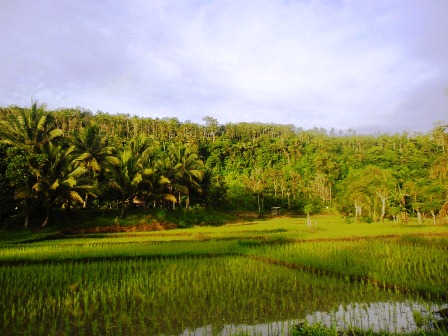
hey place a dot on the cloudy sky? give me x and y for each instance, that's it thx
(369, 65)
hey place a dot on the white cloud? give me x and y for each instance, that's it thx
(311, 63)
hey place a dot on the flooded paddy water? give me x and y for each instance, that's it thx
(223, 295)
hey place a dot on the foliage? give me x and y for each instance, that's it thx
(305, 329)
(7, 202)
(164, 163)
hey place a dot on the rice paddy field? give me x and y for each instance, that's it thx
(256, 278)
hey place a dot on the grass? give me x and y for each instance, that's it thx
(212, 226)
(165, 296)
(162, 282)
(388, 263)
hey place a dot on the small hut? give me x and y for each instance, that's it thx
(275, 211)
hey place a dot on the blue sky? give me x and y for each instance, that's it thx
(372, 66)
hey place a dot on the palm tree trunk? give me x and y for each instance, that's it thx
(187, 203)
(123, 206)
(383, 208)
(68, 207)
(47, 217)
(27, 217)
(419, 217)
(84, 204)
(433, 217)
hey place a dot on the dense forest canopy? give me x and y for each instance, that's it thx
(73, 158)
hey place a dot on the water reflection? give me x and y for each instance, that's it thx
(380, 316)
(394, 317)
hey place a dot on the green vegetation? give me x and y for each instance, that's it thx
(318, 329)
(278, 275)
(70, 158)
(163, 296)
(119, 225)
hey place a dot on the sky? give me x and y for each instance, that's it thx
(373, 66)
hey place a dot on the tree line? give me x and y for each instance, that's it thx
(69, 158)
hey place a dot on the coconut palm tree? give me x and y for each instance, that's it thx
(92, 149)
(30, 128)
(188, 170)
(126, 176)
(132, 165)
(93, 152)
(58, 179)
(156, 186)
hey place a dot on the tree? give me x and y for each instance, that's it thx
(255, 183)
(365, 186)
(439, 169)
(312, 206)
(31, 128)
(7, 202)
(308, 210)
(213, 190)
(356, 191)
(92, 149)
(381, 183)
(21, 180)
(188, 170)
(211, 127)
(58, 180)
(93, 152)
(432, 199)
(155, 185)
(126, 176)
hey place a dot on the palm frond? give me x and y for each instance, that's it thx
(78, 172)
(169, 197)
(55, 185)
(55, 133)
(76, 197)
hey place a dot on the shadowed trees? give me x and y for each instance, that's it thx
(127, 174)
(93, 152)
(187, 170)
(58, 179)
(28, 130)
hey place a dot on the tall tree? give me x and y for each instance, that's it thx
(381, 182)
(7, 202)
(30, 128)
(188, 170)
(92, 149)
(126, 176)
(58, 181)
(21, 180)
(367, 185)
(93, 152)
(440, 166)
(255, 182)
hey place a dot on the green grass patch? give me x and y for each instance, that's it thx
(98, 281)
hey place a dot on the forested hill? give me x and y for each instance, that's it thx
(72, 158)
